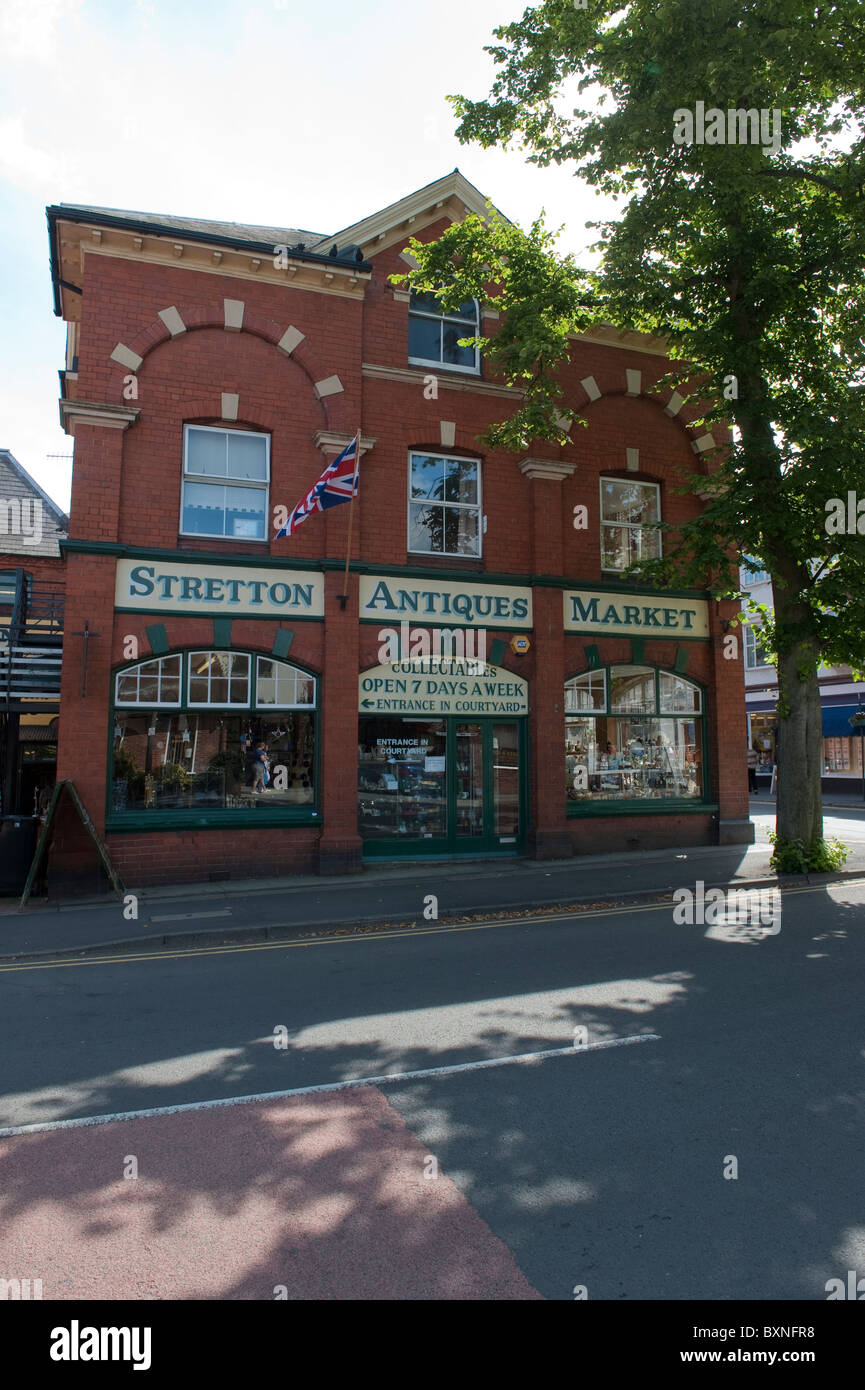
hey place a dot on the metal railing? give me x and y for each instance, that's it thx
(29, 673)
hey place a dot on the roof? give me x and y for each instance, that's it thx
(16, 483)
(236, 231)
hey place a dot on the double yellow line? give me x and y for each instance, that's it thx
(195, 952)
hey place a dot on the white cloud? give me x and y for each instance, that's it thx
(30, 30)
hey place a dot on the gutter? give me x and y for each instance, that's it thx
(55, 213)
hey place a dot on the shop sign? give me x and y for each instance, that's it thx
(590, 611)
(169, 586)
(448, 601)
(448, 687)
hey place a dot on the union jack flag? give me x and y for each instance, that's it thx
(338, 483)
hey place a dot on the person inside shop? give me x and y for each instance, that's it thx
(753, 760)
(260, 768)
(613, 759)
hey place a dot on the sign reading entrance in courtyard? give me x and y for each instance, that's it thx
(592, 611)
(446, 686)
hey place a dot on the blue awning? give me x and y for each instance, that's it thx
(836, 721)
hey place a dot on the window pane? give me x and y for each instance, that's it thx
(461, 481)
(205, 452)
(633, 758)
(452, 353)
(304, 691)
(148, 690)
(283, 685)
(245, 512)
(170, 690)
(198, 690)
(203, 509)
(586, 692)
(678, 694)
(425, 303)
(427, 477)
(208, 761)
(247, 456)
(632, 688)
(461, 531)
(127, 689)
(218, 690)
(614, 547)
(625, 501)
(645, 545)
(424, 339)
(426, 528)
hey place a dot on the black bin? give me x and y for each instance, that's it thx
(18, 835)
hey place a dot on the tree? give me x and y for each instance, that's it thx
(733, 130)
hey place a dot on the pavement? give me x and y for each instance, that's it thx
(195, 914)
(331, 1199)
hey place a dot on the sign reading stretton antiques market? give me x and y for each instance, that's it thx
(448, 601)
(446, 686)
(170, 586)
(634, 615)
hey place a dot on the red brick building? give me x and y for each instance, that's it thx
(239, 718)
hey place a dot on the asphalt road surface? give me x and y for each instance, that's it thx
(719, 1157)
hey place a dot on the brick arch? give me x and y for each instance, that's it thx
(333, 408)
(655, 398)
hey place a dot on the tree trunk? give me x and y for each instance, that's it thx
(800, 739)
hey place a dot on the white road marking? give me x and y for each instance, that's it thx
(524, 1058)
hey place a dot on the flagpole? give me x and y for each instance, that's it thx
(343, 598)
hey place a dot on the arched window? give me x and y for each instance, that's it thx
(434, 336)
(633, 733)
(207, 731)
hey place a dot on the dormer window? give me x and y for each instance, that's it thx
(434, 336)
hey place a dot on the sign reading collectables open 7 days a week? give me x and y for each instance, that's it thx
(448, 686)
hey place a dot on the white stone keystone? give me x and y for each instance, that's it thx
(331, 386)
(291, 338)
(173, 322)
(234, 315)
(126, 357)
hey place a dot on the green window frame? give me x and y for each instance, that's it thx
(627, 743)
(283, 701)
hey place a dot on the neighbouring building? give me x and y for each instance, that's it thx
(840, 697)
(212, 371)
(31, 636)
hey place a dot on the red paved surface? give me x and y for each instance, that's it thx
(323, 1194)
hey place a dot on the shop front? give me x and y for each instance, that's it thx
(442, 759)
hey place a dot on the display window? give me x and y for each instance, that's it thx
(213, 731)
(633, 733)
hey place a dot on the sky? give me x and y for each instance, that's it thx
(277, 112)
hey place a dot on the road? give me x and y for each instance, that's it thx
(598, 1168)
